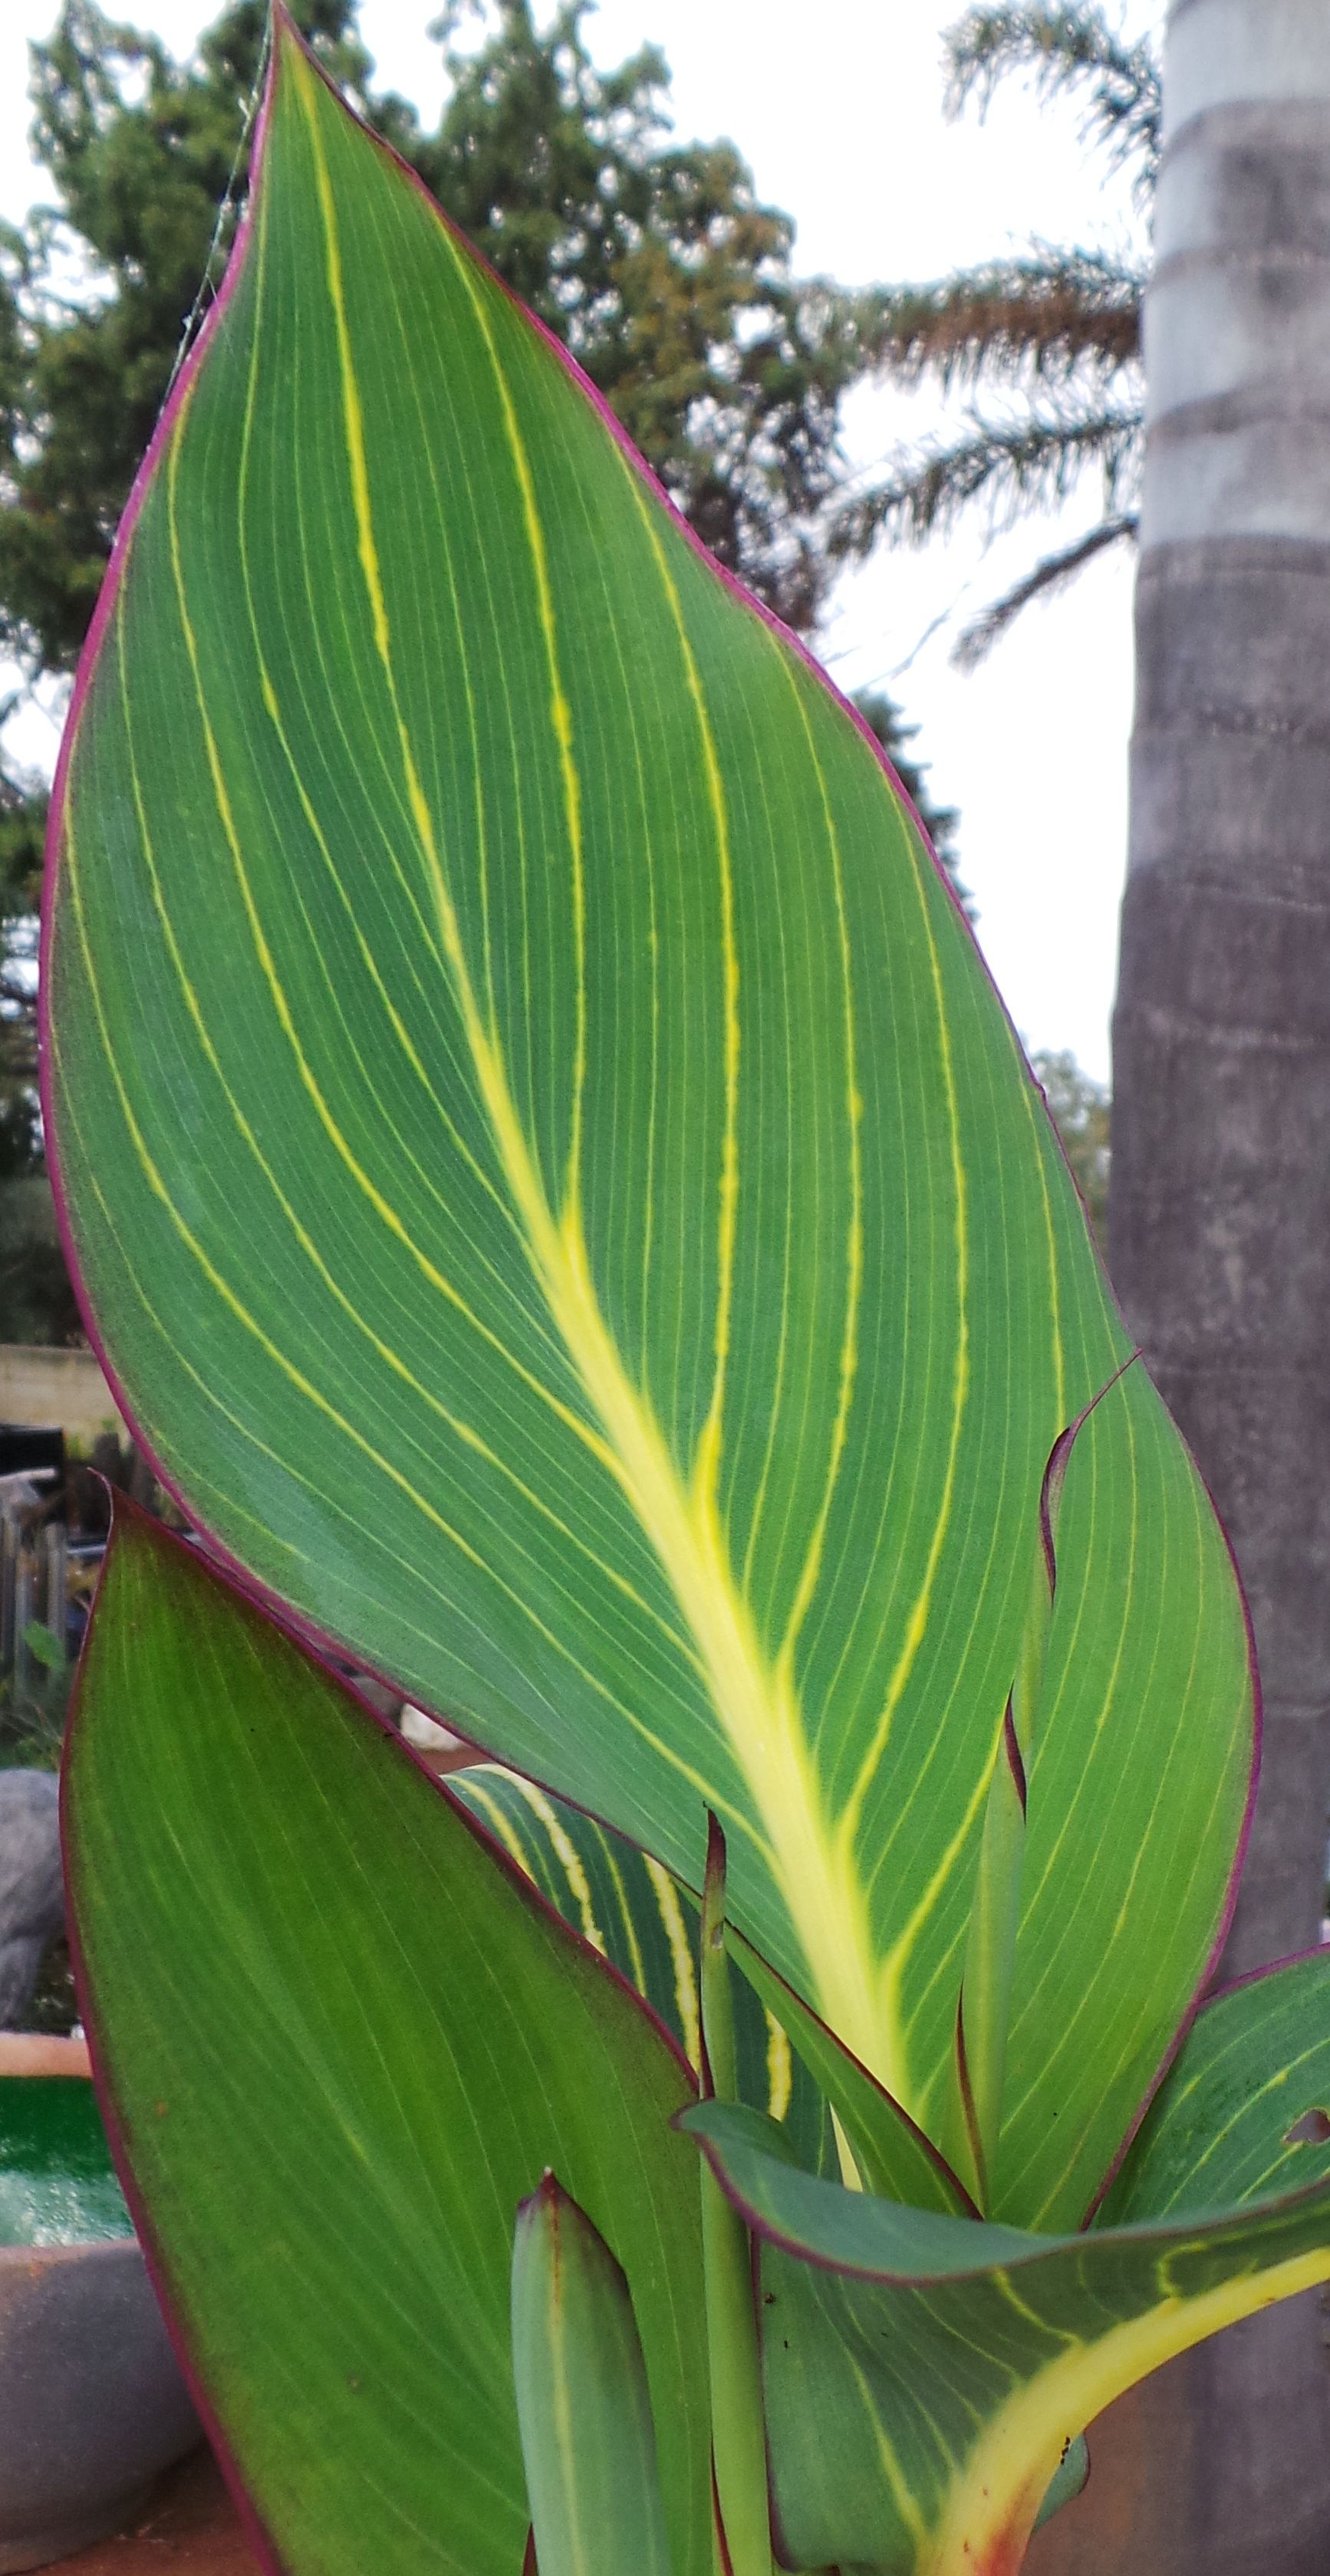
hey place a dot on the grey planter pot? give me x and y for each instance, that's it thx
(92, 2403)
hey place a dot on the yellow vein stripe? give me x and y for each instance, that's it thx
(1029, 2429)
(707, 1463)
(566, 1852)
(1042, 1147)
(917, 1623)
(508, 1133)
(214, 1276)
(179, 1357)
(681, 1955)
(639, 1973)
(854, 1250)
(314, 1394)
(366, 547)
(560, 712)
(273, 709)
(897, 1957)
(383, 1208)
(455, 1423)
(902, 2494)
(780, 2067)
(475, 1792)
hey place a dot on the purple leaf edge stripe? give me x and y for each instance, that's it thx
(1272, 1968)
(254, 1610)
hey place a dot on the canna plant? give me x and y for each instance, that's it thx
(566, 1211)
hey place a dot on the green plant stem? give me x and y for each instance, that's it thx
(738, 2426)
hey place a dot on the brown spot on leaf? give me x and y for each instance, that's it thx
(1312, 2130)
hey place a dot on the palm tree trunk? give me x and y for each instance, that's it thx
(1219, 1221)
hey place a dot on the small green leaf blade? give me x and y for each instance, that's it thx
(294, 1942)
(588, 2442)
(1244, 2112)
(646, 1921)
(499, 1010)
(924, 2375)
(1069, 2480)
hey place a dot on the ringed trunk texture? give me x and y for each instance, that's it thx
(1219, 1221)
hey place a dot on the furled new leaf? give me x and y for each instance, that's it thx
(341, 2039)
(926, 2375)
(582, 2399)
(561, 1198)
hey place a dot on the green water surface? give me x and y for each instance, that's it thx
(57, 2182)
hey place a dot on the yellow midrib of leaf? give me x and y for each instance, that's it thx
(997, 2495)
(755, 1704)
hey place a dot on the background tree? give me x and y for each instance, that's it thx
(1044, 345)
(36, 1300)
(96, 289)
(22, 823)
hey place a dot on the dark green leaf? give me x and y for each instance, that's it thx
(343, 2040)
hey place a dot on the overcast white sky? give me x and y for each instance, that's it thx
(838, 109)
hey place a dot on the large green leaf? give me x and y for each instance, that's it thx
(926, 2375)
(561, 1197)
(342, 2040)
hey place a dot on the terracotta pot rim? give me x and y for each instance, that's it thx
(30, 2052)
